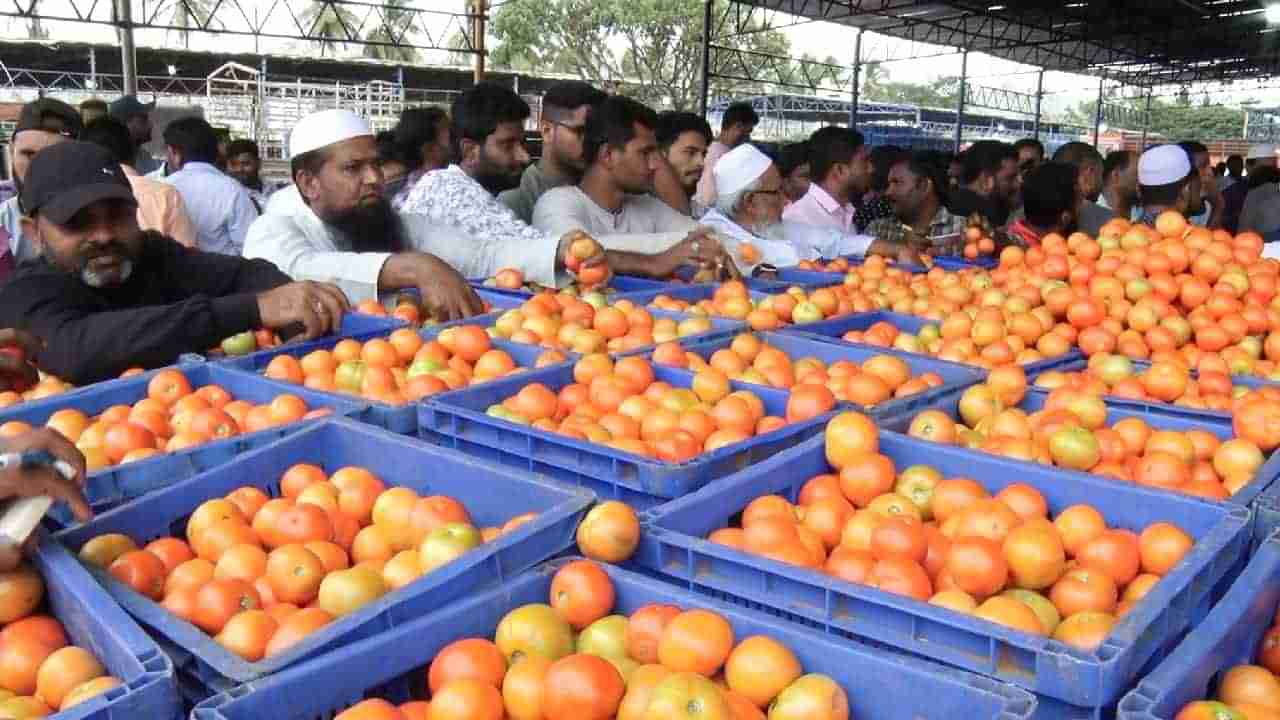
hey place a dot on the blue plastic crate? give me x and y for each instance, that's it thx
(797, 346)
(401, 419)
(880, 685)
(1069, 682)
(111, 486)
(457, 419)
(1157, 417)
(94, 622)
(492, 494)
(834, 329)
(1229, 636)
(620, 284)
(952, 263)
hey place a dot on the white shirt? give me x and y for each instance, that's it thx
(303, 246)
(219, 206)
(795, 242)
(644, 224)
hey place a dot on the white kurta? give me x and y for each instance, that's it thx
(297, 241)
(644, 225)
(796, 242)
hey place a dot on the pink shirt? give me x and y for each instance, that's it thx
(817, 207)
(706, 194)
(160, 208)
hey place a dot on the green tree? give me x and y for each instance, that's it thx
(329, 24)
(1181, 119)
(650, 49)
(394, 29)
(188, 14)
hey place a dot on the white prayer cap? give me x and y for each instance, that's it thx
(324, 128)
(1163, 165)
(1262, 151)
(740, 167)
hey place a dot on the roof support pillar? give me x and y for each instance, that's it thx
(128, 56)
(857, 79)
(477, 35)
(1097, 116)
(706, 59)
(1039, 100)
(964, 78)
(1146, 121)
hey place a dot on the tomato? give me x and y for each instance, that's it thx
(696, 641)
(582, 686)
(582, 593)
(534, 629)
(811, 697)
(346, 591)
(686, 696)
(760, 668)
(610, 532)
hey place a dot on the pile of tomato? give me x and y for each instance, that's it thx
(41, 672)
(1245, 692)
(172, 417)
(403, 367)
(260, 574)
(571, 658)
(795, 306)
(621, 405)
(563, 321)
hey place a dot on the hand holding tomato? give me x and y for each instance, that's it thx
(17, 373)
(581, 255)
(318, 307)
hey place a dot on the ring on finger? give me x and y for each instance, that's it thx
(697, 246)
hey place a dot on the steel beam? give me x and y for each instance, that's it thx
(128, 55)
(964, 72)
(857, 72)
(1039, 100)
(706, 58)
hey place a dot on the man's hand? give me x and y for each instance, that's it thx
(17, 348)
(32, 482)
(701, 249)
(579, 252)
(447, 295)
(318, 306)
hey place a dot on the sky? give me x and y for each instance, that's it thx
(820, 39)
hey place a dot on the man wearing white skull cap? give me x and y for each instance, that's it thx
(748, 209)
(335, 224)
(1167, 181)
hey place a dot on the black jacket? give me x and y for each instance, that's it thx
(965, 202)
(177, 300)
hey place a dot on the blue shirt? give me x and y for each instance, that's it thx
(219, 206)
(20, 247)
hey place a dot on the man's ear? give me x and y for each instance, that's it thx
(545, 129)
(470, 150)
(987, 182)
(308, 185)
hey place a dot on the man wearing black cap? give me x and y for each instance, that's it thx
(137, 117)
(41, 123)
(106, 296)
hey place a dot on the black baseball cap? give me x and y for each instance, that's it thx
(64, 179)
(127, 106)
(49, 115)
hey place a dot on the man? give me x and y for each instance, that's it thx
(643, 235)
(1210, 213)
(873, 205)
(395, 167)
(916, 188)
(160, 206)
(1030, 154)
(244, 163)
(989, 182)
(1260, 209)
(335, 223)
(106, 296)
(1235, 193)
(137, 117)
(793, 163)
(1120, 184)
(41, 124)
(1234, 167)
(565, 107)
(1052, 197)
(736, 126)
(1090, 216)
(422, 141)
(682, 141)
(841, 171)
(92, 109)
(1168, 181)
(220, 207)
(749, 210)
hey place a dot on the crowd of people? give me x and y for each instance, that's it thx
(114, 259)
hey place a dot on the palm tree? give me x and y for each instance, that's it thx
(188, 14)
(394, 28)
(330, 24)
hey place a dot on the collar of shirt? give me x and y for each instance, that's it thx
(828, 203)
(200, 167)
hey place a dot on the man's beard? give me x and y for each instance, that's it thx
(493, 177)
(371, 228)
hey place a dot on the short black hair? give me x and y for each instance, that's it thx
(1261, 175)
(792, 156)
(672, 124)
(571, 95)
(417, 127)
(113, 135)
(195, 138)
(883, 158)
(927, 164)
(739, 113)
(1048, 191)
(984, 156)
(94, 104)
(310, 162)
(1117, 161)
(388, 150)
(613, 123)
(241, 146)
(1193, 147)
(829, 146)
(477, 113)
(1029, 142)
(1078, 154)
(1235, 163)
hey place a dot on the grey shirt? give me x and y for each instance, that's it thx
(1092, 217)
(533, 183)
(1261, 212)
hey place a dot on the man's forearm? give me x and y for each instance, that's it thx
(638, 264)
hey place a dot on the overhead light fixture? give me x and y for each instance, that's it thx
(994, 8)
(1273, 14)
(173, 70)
